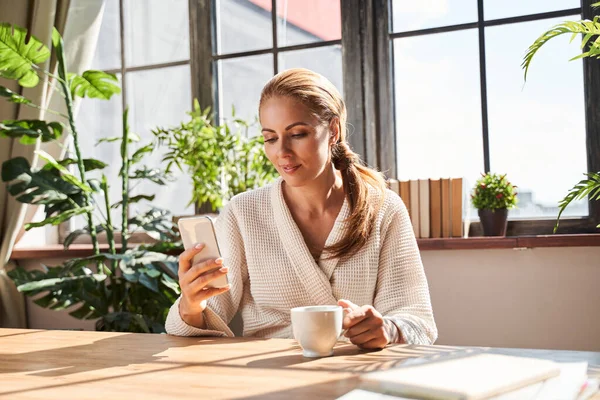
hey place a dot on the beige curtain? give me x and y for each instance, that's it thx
(79, 23)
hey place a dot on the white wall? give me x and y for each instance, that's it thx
(534, 298)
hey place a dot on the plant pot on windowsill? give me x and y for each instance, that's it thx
(493, 222)
(493, 195)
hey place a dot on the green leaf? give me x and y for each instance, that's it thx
(149, 282)
(139, 153)
(18, 57)
(71, 201)
(76, 264)
(12, 96)
(108, 140)
(134, 199)
(155, 220)
(35, 187)
(29, 130)
(76, 233)
(155, 175)
(60, 218)
(95, 185)
(585, 187)
(588, 29)
(49, 284)
(94, 84)
(66, 174)
(89, 164)
(58, 44)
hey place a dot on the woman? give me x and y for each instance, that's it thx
(327, 231)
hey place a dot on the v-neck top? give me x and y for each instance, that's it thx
(271, 270)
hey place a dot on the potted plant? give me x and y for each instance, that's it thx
(232, 161)
(126, 289)
(590, 32)
(492, 196)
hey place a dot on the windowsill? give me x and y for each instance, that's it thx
(510, 242)
(472, 243)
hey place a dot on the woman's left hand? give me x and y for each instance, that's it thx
(364, 326)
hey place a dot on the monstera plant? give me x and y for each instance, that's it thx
(130, 289)
(590, 43)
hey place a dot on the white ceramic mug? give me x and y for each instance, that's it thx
(317, 328)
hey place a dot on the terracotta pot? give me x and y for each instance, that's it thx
(493, 222)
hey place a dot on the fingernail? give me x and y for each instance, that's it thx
(219, 261)
(199, 246)
(224, 269)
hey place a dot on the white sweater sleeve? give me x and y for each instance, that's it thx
(402, 293)
(220, 309)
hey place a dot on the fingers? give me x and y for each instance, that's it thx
(365, 328)
(202, 268)
(377, 343)
(376, 334)
(363, 337)
(193, 279)
(357, 315)
(193, 304)
(347, 304)
(185, 258)
(361, 327)
(203, 280)
(211, 292)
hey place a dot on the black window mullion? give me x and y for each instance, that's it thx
(122, 43)
(487, 23)
(483, 86)
(204, 69)
(384, 90)
(210, 48)
(203, 42)
(274, 31)
(123, 75)
(147, 67)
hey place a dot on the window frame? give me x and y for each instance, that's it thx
(65, 228)
(524, 227)
(367, 63)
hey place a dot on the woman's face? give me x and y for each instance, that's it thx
(296, 142)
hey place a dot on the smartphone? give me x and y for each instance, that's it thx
(202, 230)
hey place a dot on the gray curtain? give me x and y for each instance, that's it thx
(79, 23)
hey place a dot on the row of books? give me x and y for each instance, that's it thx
(435, 206)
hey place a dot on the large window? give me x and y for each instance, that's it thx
(146, 44)
(462, 107)
(433, 90)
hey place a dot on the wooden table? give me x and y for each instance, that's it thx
(37, 364)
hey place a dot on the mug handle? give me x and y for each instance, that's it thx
(343, 332)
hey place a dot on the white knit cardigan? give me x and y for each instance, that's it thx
(271, 270)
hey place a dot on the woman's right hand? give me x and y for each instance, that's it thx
(193, 280)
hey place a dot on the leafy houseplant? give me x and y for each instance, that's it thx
(590, 30)
(232, 162)
(493, 195)
(126, 290)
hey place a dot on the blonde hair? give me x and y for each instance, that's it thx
(322, 98)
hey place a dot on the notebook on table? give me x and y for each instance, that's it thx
(468, 377)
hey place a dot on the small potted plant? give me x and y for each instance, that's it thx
(492, 196)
